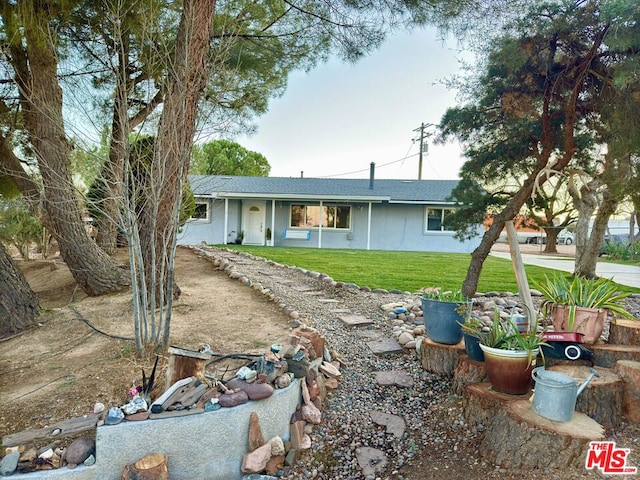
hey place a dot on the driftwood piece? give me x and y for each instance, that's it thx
(467, 372)
(602, 400)
(185, 363)
(629, 371)
(480, 403)
(439, 357)
(623, 331)
(606, 355)
(150, 467)
(517, 437)
(66, 427)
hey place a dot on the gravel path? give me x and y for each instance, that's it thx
(436, 443)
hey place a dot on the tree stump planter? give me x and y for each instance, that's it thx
(624, 332)
(517, 437)
(480, 403)
(606, 355)
(467, 371)
(629, 371)
(439, 357)
(602, 400)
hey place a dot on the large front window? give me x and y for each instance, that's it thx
(309, 216)
(436, 219)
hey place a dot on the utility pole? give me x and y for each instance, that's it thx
(421, 129)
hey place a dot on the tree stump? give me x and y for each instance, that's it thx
(440, 357)
(606, 355)
(602, 400)
(517, 437)
(183, 364)
(629, 371)
(480, 404)
(623, 331)
(151, 467)
(467, 372)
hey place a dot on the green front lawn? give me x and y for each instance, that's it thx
(408, 271)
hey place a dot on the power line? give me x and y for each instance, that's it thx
(367, 169)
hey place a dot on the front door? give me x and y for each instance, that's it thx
(253, 219)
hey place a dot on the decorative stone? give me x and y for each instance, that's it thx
(254, 390)
(299, 366)
(79, 450)
(115, 416)
(9, 463)
(256, 439)
(91, 459)
(256, 461)
(98, 407)
(404, 338)
(330, 370)
(277, 446)
(275, 463)
(311, 413)
(136, 417)
(283, 381)
(233, 399)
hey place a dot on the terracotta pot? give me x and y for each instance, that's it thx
(509, 371)
(588, 321)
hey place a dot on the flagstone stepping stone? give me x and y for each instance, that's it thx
(355, 320)
(339, 310)
(398, 378)
(313, 293)
(395, 425)
(328, 300)
(371, 460)
(369, 334)
(385, 346)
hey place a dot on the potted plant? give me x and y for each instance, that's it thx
(239, 238)
(443, 314)
(509, 354)
(267, 236)
(471, 329)
(581, 304)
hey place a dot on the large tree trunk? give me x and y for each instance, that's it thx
(41, 98)
(616, 175)
(18, 303)
(159, 219)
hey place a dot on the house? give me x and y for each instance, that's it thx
(323, 213)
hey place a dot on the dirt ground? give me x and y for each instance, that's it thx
(62, 367)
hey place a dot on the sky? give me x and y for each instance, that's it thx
(338, 118)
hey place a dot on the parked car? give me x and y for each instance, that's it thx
(565, 237)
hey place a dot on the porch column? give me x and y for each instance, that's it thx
(273, 222)
(320, 227)
(369, 227)
(226, 221)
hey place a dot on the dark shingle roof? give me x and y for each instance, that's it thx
(419, 191)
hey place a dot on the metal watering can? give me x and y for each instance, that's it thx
(556, 393)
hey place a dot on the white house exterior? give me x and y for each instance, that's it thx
(324, 213)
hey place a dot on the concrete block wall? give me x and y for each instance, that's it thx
(202, 446)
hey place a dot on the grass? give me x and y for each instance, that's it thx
(407, 271)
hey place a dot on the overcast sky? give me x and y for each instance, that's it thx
(338, 118)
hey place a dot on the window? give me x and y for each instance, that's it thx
(436, 219)
(201, 211)
(308, 216)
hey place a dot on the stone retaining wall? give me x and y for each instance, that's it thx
(208, 445)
